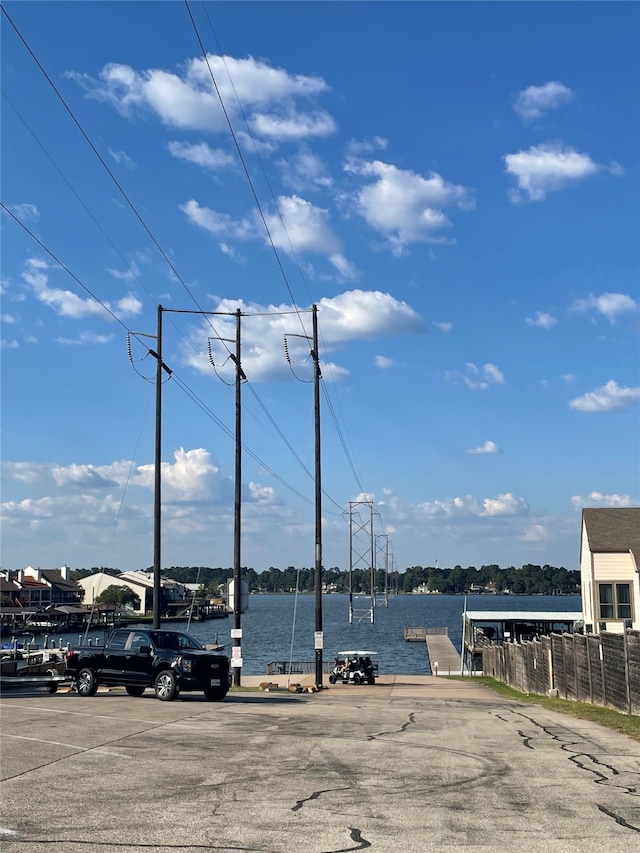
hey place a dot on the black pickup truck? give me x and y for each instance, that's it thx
(137, 658)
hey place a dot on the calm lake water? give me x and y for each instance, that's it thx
(270, 631)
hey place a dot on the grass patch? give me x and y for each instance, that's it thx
(626, 724)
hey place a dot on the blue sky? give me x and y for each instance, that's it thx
(455, 185)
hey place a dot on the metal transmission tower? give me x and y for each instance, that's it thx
(362, 556)
(382, 562)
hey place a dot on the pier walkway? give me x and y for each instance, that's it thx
(443, 657)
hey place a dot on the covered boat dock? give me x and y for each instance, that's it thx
(486, 627)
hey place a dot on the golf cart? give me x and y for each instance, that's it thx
(354, 667)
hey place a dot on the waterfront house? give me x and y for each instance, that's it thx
(610, 569)
(94, 585)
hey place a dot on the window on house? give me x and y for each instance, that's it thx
(615, 600)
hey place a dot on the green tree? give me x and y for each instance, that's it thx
(121, 596)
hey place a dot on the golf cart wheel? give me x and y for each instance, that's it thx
(332, 679)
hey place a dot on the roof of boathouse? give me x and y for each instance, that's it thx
(523, 615)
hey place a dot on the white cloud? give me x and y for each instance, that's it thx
(597, 499)
(487, 447)
(123, 159)
(403, 206)
(468, 506)
(297, 227)
(349, 316)
(610, 397)
(68, 304)
(265, 495)
(506, 504)
(294, 126)
(547, 168)
(126, 275)
(192, 476)
(533, 102)
(535, 533)
(9, 319)
(356, 148)
(304, 171)
(7, 344)
(544, 321)
(218, 224)
(383, 362)
(302, 227)
(25, 212)
(128, 306)
(86, 338)
(476, 378)
(188, 99)
(568, 377)
(444, 327)
(202, 155)
(611, 305)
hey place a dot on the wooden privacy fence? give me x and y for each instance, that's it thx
(603, 669)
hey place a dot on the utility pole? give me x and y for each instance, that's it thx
(319, 639)
(157, 500)
(318, 636)
(237, 507)
(236, 633)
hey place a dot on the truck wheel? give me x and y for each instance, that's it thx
(86, 682)
(166, 686)
(215, 694)
(134, 691)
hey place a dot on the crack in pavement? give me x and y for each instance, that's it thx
(618, 819)
(315, 795)
(356, 835)
(403, 728)
(603, 773)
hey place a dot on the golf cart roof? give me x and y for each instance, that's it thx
(358, 653)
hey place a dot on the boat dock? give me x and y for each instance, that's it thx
(443, 657)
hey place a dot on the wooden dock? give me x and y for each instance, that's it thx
(443, 657)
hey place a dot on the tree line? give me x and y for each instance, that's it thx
(528, 579)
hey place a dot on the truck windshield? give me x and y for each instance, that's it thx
(173, 640)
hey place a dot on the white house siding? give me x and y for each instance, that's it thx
(96, 584)
(610, 568)
(613, 567)
(586, 578)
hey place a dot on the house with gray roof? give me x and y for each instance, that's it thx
(610, 568)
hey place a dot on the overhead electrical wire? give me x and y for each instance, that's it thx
(183, 385)
(153, 238)
(346, 450)
(126, 197)
(257, 201)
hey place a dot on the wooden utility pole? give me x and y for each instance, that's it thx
(319, 639)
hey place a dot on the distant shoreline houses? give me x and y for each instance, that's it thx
(609, 583)
(50, 600)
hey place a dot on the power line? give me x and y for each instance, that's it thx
(130, 203)
(184, 387)
(277, 207)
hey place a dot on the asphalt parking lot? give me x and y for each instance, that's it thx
(408, 765)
